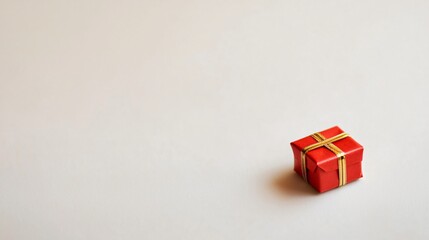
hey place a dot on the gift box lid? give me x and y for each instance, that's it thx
(325, 158)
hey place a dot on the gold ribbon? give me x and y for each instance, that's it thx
(328, 143)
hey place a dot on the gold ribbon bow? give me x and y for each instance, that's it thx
(328, 143)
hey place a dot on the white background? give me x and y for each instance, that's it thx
(172, 119)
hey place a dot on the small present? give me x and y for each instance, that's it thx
(328, 159)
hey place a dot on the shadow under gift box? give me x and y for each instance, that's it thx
(322, 164)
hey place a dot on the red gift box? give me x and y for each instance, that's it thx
(328, 159)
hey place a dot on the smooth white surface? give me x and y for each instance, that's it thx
(172, 119)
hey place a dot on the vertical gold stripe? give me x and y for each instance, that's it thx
(303, 166)
(322, 141)
(343, 160)
(341, 163)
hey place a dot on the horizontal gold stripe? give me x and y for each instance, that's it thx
(326, 141)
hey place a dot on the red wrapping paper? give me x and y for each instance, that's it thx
(322, 163)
